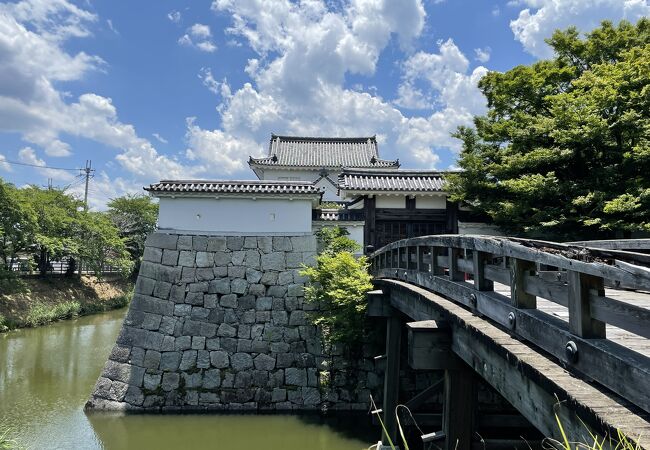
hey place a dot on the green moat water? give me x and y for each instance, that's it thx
(47, 374)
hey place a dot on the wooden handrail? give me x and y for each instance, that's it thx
(582, 274)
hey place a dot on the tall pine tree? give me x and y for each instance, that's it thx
(564, 149)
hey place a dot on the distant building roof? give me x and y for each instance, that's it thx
(170, 187)
(391, 181)
(294, 151)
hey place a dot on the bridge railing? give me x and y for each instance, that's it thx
(464, 268)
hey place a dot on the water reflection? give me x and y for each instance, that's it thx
(46, 375)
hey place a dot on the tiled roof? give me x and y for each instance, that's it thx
(392, 181)
(235, 187)
(296, 151)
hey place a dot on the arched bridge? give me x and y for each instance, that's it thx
(556, 329)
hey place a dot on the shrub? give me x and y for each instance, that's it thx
(338, 284)
(41, 313)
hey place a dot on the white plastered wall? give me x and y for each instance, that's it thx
(236, 216)
(431, 202)
(331, 192)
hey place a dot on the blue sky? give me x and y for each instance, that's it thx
(190, 89)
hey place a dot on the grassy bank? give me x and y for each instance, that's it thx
(31, 302)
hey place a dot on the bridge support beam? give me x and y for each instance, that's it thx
(459, 406)
(391, 376)
(379, 307)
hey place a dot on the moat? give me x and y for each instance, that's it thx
(49, 372)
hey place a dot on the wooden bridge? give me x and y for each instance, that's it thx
(556, 329)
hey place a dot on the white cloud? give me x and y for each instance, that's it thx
(32, 34)
(198, 36)
(305, 53)
(496, 11)
(542, 17)
(174, 16)
(482, 54)
(27, 155)
(452, 90)
(111, 27)
(4, 165)
(410, 97)
(52, 19)
(160, 139)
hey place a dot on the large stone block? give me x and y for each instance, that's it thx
(264, 362)
(187, 258)
(226, 330)
(162, 240)
(216, 244)
(235, 242)
(285, 278)
(239, 286)
(281, 244)
(184, 243)
(220, 286)
(199, 243)
(169, 361)
(211, 379)
(162, 290)
(170, 381)
(294, 260)
(237, 272)
(241, 361)
(204, 259)
(252, 259)
(273, 261)
(170, 257)
(253, 276)
(219, 359)
(295, 377)
(188, 360)
(238, 258)
(303, 243)
(152, 254)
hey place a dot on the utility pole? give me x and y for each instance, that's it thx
(88, 170)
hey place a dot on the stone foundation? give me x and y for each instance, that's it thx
(220, 323)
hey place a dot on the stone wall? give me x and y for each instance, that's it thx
(220, 323)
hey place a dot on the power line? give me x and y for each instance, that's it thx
(36, 165)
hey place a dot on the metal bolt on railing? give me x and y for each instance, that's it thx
(512, 319)
(571, 350)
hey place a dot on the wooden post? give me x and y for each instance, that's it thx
(459, 407)
(420, 258)
(435, 268)
(480, 282)
(580, 321)
(454, 273)
(391, 376)
(519, 268)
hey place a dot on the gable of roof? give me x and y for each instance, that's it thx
(175, 187)
(296, 151)
(391, 181)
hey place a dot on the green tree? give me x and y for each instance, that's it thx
(564, 149)
(17, 225)
(338, 284)
(57, 216)
(135, 216)
(102, 244)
